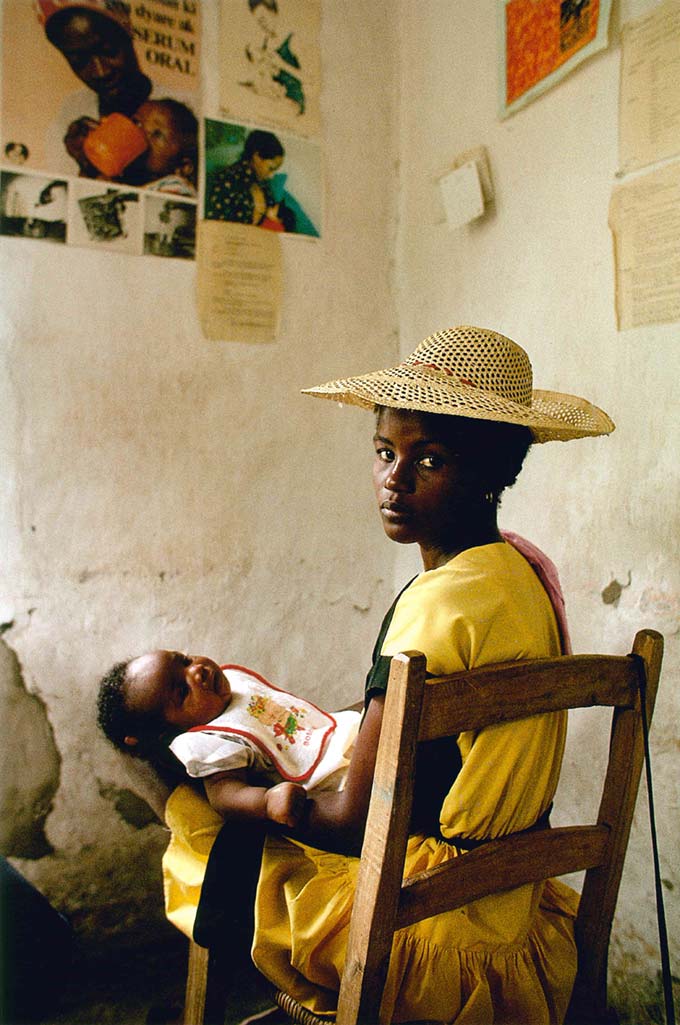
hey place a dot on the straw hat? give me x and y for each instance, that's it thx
(473, 372)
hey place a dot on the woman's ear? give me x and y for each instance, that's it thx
(131, 741)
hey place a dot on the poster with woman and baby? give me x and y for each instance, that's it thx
(103, 142)
(100, 123)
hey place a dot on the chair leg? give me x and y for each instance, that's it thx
(197, 985)
(206, 990)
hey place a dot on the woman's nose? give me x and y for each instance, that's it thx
(399, 477)
(98, 67)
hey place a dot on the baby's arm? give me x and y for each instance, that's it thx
(335, 821)
(233, 797)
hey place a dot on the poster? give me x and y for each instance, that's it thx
(98, 92)
(257, 177)
(270, 65)
(649, 98)
(541, 41)
(644, 216)
(239, 282)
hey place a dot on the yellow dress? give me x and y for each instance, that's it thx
(509, 958)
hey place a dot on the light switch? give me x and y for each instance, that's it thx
(461, 192)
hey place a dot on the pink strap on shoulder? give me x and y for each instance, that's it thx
(546, 571)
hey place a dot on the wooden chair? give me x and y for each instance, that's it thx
(471, 701)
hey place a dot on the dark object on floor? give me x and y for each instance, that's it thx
(37, 947)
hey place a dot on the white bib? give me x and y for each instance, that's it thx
(291, 732)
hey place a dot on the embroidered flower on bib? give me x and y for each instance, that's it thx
(285, 722)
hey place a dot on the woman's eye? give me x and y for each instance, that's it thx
(386, 455)
(430, 462)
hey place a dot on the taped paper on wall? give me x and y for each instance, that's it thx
(649, 100)
(644, 216)
(239, 282)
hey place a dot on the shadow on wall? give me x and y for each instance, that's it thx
(29, 765)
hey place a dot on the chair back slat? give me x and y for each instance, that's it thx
(500, 865)
(515, 690)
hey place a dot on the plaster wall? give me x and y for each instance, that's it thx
(159, 490)
(538, 266)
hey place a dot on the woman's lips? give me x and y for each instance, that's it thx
(395, 512)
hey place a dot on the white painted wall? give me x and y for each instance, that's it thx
(539, 268)
(161, 490)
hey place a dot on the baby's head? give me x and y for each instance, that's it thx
(160, 693)
(171, 130)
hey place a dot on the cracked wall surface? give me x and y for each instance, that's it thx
(29, 765)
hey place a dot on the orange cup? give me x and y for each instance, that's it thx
(113, 144)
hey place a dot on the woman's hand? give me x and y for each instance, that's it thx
(285, 804)
(336, 821)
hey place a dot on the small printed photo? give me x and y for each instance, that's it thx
(270, 180)
(169, 227)
(33, 206)
(107, 218)
(16, 153)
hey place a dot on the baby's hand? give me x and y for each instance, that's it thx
(74, 141)
(285, 803)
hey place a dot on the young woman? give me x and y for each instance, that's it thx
(453, 424)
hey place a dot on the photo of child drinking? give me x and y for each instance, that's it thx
(167, 133)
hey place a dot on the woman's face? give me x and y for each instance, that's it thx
(99, 52)
(424, 494)
(265, 167)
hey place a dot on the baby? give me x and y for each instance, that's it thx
(258, 749)
(170, 161)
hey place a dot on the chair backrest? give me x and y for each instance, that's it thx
(473, 700)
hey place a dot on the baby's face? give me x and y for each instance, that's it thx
(187, 690)
(165, 141)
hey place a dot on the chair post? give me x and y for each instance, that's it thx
(197, 985)
(601, 884)
(384, 849)
(206, 993)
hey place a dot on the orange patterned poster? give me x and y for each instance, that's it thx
(543, 40)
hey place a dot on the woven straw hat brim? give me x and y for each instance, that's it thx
(552, 416)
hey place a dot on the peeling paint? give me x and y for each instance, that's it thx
(129, 806)
(30, 765)
(612, 592)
